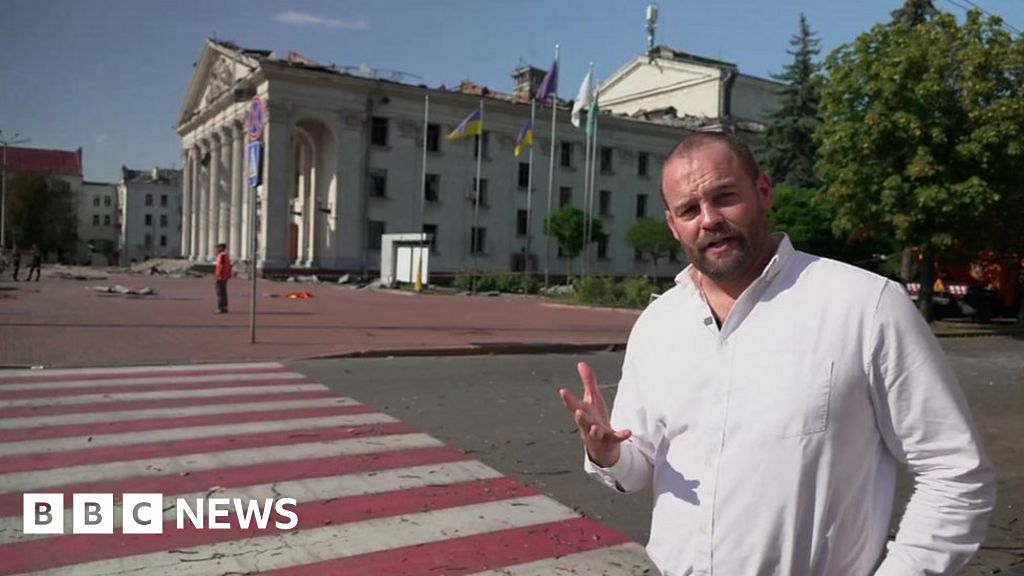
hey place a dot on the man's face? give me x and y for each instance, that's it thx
(717, 213)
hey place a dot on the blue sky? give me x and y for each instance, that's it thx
(110, 75)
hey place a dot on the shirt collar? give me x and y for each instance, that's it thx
(783, 254)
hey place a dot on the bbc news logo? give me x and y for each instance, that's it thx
(144, 513)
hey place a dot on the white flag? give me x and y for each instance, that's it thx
(583, 99)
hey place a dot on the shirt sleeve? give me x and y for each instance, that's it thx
(926, 424)
(632, 472)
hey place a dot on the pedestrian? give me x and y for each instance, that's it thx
(35, 262)
(222, 273)
(3, 259)
(770, 395)
(16, 261)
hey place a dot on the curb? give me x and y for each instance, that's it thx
(484, 349)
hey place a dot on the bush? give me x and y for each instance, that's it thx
(604, 291)
(508, 282)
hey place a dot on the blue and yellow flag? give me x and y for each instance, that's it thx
(473, 125)
(524, 138)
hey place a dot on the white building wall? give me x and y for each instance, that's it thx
(754, 98)
(164, 234)
(335, 110)
(97, 221)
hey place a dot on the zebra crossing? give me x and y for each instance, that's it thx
(373, 496)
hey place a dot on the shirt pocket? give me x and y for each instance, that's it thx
(783, 394)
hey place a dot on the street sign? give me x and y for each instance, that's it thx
(257, 117)
(253, 158)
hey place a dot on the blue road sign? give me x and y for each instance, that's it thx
(254, 156)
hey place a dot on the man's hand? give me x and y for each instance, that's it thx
(591, 415)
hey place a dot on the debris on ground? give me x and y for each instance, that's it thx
(165, 266)
(311, 279)
(123, 290)
(301, 295)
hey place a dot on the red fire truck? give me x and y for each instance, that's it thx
(980, 289)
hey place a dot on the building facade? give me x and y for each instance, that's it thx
(149, 204)
(709, 94)
(344, 163)
(60, 165)
(98, 219)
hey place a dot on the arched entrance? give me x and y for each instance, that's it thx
(311, 205)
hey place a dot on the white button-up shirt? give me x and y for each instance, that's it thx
(772, 442)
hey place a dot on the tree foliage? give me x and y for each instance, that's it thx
(653, 238)
(566, 227)
(806, 216)
(41, 211)
(790, 150)
(921, 134)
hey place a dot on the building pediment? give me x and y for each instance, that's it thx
(220, 70)
(641, 77)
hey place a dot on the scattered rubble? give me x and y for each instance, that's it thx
(122, 290)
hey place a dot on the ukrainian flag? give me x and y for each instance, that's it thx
(473, 125)
(524, 138)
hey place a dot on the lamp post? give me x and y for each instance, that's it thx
(3, 183)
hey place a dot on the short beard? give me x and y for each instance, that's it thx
(745, 255)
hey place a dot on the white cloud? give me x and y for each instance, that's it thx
(306, 19)
(100, 138)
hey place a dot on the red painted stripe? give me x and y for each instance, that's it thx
(99, 429)
(73, 549)
(33, 462)
(125, 405)
(470, 554)
(43, 377)
(168, 387)
(10, 503)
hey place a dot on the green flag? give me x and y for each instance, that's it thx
(592, 118)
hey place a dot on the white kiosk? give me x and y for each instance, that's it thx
(401, 256)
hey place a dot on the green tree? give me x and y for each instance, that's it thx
(652, 237)
(41, 211)
(566, 227)
(790, 150)
(921, 129)
(806, 215)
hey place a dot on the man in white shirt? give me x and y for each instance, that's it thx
(769, 396)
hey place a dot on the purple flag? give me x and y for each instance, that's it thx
(549, 85)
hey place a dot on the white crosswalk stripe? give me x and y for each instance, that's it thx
(371, 494)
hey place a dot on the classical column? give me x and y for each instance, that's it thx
(224, 189)
(276, 173)
(312, 212)
(237, 182)
(244, 222)
(202, 219)
(213, 194)
(186, 201)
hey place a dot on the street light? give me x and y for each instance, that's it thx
(3, 182)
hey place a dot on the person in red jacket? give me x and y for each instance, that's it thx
(222, 273)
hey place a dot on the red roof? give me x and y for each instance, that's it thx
(52, 162)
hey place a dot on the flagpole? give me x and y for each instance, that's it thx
(588, 162)
(476, 200)
(551, 173)
(423, 170)
(593, 180)
(529, 196)
(418, 220)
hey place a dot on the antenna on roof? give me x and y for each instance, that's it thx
(652, 24)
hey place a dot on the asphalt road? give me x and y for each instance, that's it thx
(505, 411)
